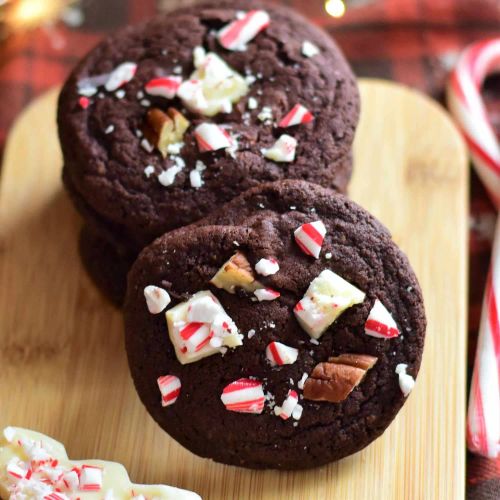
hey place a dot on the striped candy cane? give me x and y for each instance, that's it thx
(466, 105)
(483, 419)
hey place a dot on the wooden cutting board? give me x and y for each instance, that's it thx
(62, 362)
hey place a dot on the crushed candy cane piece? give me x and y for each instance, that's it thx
(121, 75)
(157, 299)
(170, 388)
(200, 327)
(213, 87)
(84, 102)
(283, 149)
(244, 395)
(195, 179)
(90, 478)
(252, 103)
(280, 354)
(406, 381)
(239, 32)
(211, 137)
(266, 294)
(380, 323)
(286, 409)
(300, 383)
(296, 116)
(309, 49)
(167, 177)
(267, 267)
(310, 237)
(327, 297)
(165, 86)
(149, 170)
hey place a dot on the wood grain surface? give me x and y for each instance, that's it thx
(62, 363)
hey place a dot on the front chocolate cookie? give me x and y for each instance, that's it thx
(286, 343)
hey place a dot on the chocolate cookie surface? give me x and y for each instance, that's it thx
(250, 405)
(139, 192)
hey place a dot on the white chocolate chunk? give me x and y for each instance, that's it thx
(57, 479)
(327, 297)
(236, 273)
(213, 87)
(156, 299)
(194, 339)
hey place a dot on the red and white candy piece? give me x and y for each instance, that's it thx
(121, 75)
(56, 496)
(157, 299)
(239, 32)
(211, 137)
(286, 409)
(69, 481)
(280, 354)
(266, 294)
(267, 267)
(296, 116)
(16, 469)
(283, 150)
(90, 478)
(170, 388)
(195, 335)
(380, 323)
(84, 102)
(310, 237)
(244, 395)
(164, 86)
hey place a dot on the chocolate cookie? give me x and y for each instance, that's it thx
(287, 341)
(164, 122)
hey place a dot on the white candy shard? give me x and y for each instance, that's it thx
(300, 383)
(213, 87)
(211, 137)
(267, 267)
(283, 149)
(121, 75)
(327, 297)
(167, 177)
(286, 409)
(239, 32)
(406, 382)
(280, 354)
(197, 329)
(90, 478)
(310, 237)
(380, 323)
(309, 49)
(266, 294)
(156, 299)
(170, 388)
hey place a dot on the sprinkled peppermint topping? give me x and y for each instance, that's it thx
(157, 299)
(165, 86)
(251, 333)
(406, 382)
(283, 149)
(145, 102)
(380, 323)
(84, 102)
(300, 383)
(170, 388)
(167, 177)
(267, 267)
(211, 137)
(244, 395)
(145, 144)
(120, 76)
(252, 103)
(265, 115)
(328, 255)
(120, 94)
(309, 237)
(309, 49)
(109, 129)
(280, 354)
(177, 70)
(263, 294)
(286, 409)
(296, 116)
(238, 33)
(195, 179)
(149, 170)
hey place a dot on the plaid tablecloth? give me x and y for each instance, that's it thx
(412, 41)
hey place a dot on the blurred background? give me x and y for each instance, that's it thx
(415, 42)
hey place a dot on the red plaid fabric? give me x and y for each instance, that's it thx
(412, 41)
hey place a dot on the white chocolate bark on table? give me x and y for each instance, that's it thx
(36, 467)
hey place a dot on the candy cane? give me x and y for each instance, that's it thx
(466, 105)
(483, 418)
